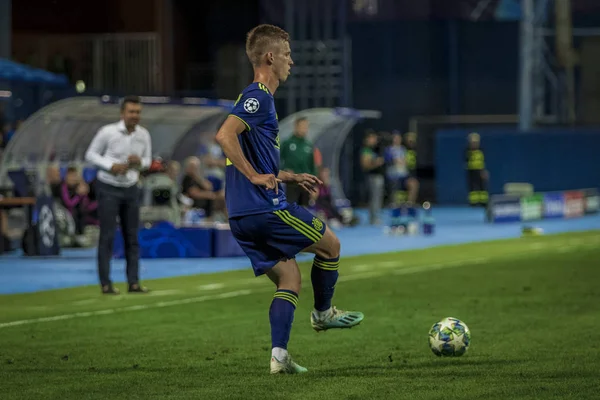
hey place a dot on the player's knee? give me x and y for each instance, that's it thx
(332, 246)
(413, 184)
(291, 283)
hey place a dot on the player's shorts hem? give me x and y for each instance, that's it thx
(267, 266)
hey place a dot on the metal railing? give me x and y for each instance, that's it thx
(123, 63)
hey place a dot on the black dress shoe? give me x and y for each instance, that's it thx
(136, 288)
(109, 289)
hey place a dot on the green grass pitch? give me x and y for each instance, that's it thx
(532, 304)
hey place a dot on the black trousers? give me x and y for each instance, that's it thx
(116, 201)
(296, 194)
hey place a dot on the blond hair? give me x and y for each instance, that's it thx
(261, 39)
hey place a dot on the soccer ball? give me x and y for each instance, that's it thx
(449, 337)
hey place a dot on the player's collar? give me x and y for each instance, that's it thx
(263, 87)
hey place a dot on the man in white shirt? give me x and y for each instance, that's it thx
(120, 151)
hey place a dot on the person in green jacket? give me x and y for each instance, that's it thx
(297, 156)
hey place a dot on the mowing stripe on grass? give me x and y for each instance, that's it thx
(387, 269)
(344, 278)
(129, 308)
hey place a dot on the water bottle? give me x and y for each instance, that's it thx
(199, 217)
(413, 223)
(404, 219)
(194, 217)
(428, 220)
(395, 217)
(344, 207)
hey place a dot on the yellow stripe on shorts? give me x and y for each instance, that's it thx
(299, 225)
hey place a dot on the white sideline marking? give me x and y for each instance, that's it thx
(83, 302)
(343, 278)
(387, 264)
(537, 246)
(211, 286)
(130, 308)
(360, 267)
(165, 292)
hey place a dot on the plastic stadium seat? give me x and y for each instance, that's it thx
(159, 201)
(89, 174)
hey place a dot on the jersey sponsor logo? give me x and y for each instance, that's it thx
(251, 105)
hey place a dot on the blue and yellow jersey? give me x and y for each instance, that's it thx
(255, 107)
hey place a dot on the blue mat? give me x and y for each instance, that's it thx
(454, 225)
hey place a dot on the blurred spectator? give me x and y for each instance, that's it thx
(9, 132)
(325, 206)
(54, 180)
(196, 187)
(6, 133)
(410, 143)
(373, 165)
(214, 162)
(74, 194)
(397, 173)
(297, 156)
(477, 176)
(173, 170)
(318, 160)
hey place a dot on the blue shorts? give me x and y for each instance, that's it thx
(276, 236)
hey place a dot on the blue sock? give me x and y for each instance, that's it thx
(324, 276)
(281, 315)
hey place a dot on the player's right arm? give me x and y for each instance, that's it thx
(227, 137)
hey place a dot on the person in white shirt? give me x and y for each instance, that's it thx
(120, 151)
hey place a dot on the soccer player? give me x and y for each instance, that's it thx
(269, 229)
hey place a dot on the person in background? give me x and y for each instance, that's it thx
(324, 204)
(196, 187)
(120, 150)
(74, 195)
(297, 157)
(9, 132)
(373, 166)
(214, 161)
(5, 133)
(410, 144)
(318, 156)
(54, 180)
(397, 173)
(173, 170)
(477, 176)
